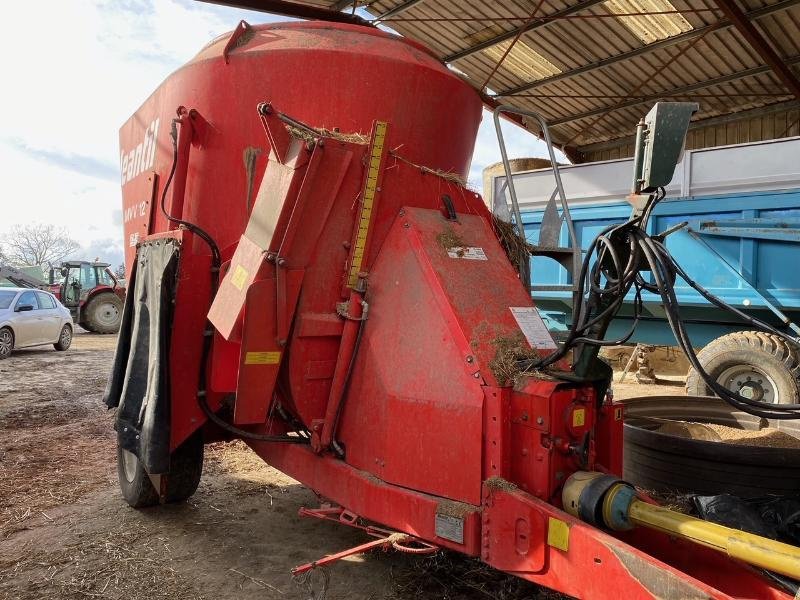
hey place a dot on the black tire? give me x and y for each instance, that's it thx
(186, 468)
(6, 342)
(64, 339)
(767, 364)
(103, 313)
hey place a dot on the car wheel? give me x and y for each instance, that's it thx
(6, 342)
(64, 339)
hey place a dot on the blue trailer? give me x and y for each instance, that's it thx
(737, 214)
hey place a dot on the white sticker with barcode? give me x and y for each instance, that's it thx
(533, 328)
(467, 253)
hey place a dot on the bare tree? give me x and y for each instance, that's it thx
(37, 245)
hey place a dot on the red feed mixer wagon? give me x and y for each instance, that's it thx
(309, 275)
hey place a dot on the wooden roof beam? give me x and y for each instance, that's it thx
(767, 53)
(508, 35)
(668, 93)
(677, 39)
(400, 8)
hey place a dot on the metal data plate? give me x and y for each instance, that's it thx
(450, 528)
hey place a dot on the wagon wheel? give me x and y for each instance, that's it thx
(758, 366)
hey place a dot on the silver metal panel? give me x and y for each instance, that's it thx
(757, 166)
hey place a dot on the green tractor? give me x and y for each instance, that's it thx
(91, 292)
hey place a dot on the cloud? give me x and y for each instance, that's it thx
(85, 69)
(519, 144)
(85, 165)
(108, 250)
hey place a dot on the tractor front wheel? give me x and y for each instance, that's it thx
(102, 314)
(185, 470)
(756, 365)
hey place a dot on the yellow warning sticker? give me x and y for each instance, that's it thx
(557, 534)
(239, 277)
(617, 414)
(262, 358)
(579, 417)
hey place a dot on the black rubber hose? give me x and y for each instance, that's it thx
(615, 281)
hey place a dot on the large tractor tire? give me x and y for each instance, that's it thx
(759, 366)
(102, 314)
(185, 470)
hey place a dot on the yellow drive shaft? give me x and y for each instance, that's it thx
(753, 549)
(605, 500)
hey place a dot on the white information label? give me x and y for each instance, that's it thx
(467, 252)
(533, 328)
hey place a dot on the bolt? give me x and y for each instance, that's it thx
(539, 421)
(524, 452)
(346, 245)
(470, 359)
(406, 225)
(377, 189)
(477, 375)
(281, 262)
(524, 416)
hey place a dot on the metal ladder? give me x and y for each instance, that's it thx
(569, 257)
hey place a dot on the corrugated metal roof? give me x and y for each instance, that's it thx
(592, 68)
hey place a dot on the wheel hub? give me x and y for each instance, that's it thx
(108, 313)
(750, 382)
(5, 343)
(129, 465)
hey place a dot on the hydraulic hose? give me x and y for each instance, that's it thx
(621, 253)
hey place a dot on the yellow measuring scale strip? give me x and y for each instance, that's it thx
(376, 152)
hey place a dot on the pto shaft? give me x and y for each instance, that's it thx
(606, 501)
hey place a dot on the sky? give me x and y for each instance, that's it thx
(73, 72)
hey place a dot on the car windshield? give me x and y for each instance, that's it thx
(6, 298)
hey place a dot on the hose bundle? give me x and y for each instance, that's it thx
(623, 254)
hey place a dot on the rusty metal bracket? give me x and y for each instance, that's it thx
(240, 36)
(386, 539)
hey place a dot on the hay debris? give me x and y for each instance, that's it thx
(510, 350)
(448, 239)
(515, 246)
(446, 175)
(498, 483)
(350, 138)
(451, 508)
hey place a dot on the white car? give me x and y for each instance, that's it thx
(32, 318)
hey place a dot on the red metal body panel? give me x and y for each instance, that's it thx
(536, 541)
(433, 443)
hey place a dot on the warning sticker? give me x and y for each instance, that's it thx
(239, 277)
(467, 252)
(262, 358)
(533, 327)
(579, 417)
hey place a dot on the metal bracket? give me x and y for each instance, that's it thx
(386, 539)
